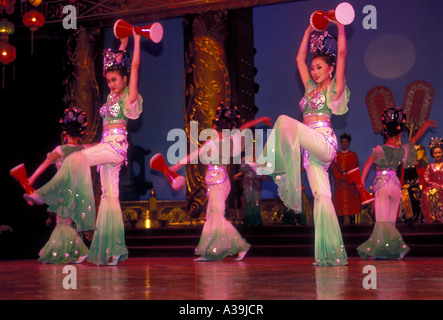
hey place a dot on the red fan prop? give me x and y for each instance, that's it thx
(153, 32)
(344, 13)
(158, 163)
(19, 173)
(354, 176)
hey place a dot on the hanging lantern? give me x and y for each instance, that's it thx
(7, 6)
(7, 52)
(7, 55)
(6, 29)
(33, 20)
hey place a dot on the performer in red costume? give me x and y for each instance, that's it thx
(432, 197)
(346, 197)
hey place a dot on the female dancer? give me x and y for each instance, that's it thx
(325, 94)
(219, 238)
(386, 241)
(64, 244)
(62, 192)
(432, 197)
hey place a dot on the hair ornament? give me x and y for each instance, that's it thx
(73, 122)
(324, 45)
(393, 120)
(226, 117)
(113, 61)
(436, 143)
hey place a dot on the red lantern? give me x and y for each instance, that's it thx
(7, 55)
(7, 52)
(33, 20)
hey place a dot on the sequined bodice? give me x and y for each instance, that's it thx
(315, 104)
(112, 111)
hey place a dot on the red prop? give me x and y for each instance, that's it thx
(158, 163)
(19, 173)
(343, 13)
(354, 176)
(319, 20)
(153, 32)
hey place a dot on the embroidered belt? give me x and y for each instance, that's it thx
(324, 124)
(315, 125)
(389, 173)
(319, 124)
(216, 174)
(123, 142)
(114, 131)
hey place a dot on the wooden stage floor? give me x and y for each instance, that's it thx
(254, 278)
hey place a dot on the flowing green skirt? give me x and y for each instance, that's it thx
(284, 166)
(251, 196)
(69, 193)
(385, 242)
(219, 237)
(64, 246)
(109, 237)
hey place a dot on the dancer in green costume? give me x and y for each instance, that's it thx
(65, 245)
(313, 140)
(386, 241)
(219, 237)
(71, 188)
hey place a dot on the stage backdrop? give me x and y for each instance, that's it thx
(390, 43)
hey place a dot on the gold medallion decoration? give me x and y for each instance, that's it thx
(207, 84)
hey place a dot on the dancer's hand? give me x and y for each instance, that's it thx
(136, 35)
(431, 123)
(123, 44)
(266, 121)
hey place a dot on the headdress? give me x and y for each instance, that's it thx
(113, 61)
(435, 143)
(324, 45)
(393, 120)
(73, 122)
(226, 117)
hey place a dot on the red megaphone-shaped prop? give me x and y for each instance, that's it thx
(344, 13)
(153, 32)
(19, 173)
(158, 163)
(354, 176)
